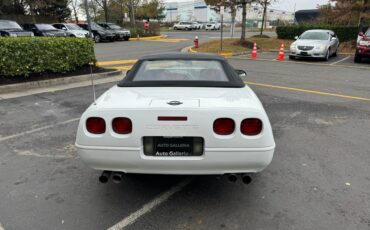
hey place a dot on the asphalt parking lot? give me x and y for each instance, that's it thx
(319, 177)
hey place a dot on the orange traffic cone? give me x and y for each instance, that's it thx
(254, 52)
(280, 57)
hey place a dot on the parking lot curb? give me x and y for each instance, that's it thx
(4, 89)
(190, 49)
(148, 38)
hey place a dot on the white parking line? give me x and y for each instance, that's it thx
(148, 207)
(1, 227)
(341, 60)
(38, 130)
(33, 154)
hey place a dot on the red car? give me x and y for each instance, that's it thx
(363, 46)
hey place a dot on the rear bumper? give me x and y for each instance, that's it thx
(363, 51)
(214, 161)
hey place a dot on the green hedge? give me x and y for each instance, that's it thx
(142, 33)
(24, 56)
(345, 33)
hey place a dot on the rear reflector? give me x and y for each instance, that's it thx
(224, 126)
(251, 126)
(122, 125)
(172, 118)
(95, 125)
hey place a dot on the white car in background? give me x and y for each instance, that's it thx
(183, 26)
(188, 114)
(196, 26)
(321, 44)
(213, 26)
(73, 29)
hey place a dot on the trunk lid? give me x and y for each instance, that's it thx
(177, 98)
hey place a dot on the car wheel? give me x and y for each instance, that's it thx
(291, 57)
(126, 38)
(97, 38)
(357, 59)
(327, 56)
(336, 53)
(174, 28)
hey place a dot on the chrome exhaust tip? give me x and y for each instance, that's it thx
(104, 177)
(117, 177)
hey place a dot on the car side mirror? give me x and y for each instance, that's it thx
(333, 38)
(241, 72)
(296, 37)
(63, 28)
(361, 34)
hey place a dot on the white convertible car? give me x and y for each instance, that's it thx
(177, 113)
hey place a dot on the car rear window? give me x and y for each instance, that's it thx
(9, 25)
(45, 27)
(181, 70)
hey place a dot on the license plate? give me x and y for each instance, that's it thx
(173, 146)
(304, 53)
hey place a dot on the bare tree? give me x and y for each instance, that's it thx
(104, 5)
(75, 4)
(264, 4)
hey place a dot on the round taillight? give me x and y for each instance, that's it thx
(224, 126)
(95, 125)
(251, 126)
(122, 125)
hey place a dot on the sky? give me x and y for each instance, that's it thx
(300, 4)
(287, 5)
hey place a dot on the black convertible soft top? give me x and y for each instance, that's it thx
(234, 81)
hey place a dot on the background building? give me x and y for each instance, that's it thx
(197, 10)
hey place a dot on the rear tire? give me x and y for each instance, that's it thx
(97, 38)
(336, 53)
(291, 57)
(357, 59)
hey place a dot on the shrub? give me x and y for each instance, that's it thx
(154, 29)
(345, 33)
(24, 56)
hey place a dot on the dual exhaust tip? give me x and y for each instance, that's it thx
(234, 177)
(116, 177)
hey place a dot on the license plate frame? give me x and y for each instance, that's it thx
(160, 146)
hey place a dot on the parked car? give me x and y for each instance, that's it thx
(182, 113)
(196, 26)
(99, 32)
(121, 33)
(44, 30)
(73, 30)
(183, 26)
(363, 46)
(315, 44)
(13, 29)
(213, 26)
